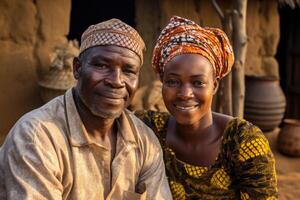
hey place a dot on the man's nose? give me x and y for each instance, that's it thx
(115, 79)
(185, 92)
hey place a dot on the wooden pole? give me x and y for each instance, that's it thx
(240, 42)
(226, 82)
(223, 99)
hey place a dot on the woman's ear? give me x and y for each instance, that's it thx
(216, 85)
(76, 68)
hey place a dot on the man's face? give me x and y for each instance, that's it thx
(107, 79)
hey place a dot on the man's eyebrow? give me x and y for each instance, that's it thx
(102, 57)
(132, 64)
(107, 59)
(173, 74)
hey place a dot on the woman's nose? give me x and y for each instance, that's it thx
(185, 92)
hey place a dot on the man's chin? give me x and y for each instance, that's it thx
(107, 114)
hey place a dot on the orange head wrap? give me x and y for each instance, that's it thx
(182, 36)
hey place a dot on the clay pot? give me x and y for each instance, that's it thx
(289, 137)
(264, 102)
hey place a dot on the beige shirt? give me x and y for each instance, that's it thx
(48, 154)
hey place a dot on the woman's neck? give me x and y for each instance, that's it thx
(202, 131)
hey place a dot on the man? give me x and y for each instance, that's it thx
(85, 144)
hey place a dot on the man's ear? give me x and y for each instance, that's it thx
(216, 85)
(76, 68)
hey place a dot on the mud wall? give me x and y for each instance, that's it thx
(29, 31)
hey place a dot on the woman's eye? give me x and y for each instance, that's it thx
(172, 83)
(198, 83)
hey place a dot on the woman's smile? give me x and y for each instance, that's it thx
(186, 107)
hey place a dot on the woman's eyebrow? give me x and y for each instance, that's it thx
(194, 76)
(199, 75)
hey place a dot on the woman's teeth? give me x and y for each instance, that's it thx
(185, 107)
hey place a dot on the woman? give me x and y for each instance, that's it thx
(208, 155)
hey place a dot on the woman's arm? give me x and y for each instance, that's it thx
(254, 165)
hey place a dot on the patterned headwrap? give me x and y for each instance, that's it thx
(182, 36)
(113, 32)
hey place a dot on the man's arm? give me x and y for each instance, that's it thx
(30, 165)
(153, 176)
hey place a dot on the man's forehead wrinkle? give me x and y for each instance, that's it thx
(112, 54)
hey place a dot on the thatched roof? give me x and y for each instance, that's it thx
(291, 3)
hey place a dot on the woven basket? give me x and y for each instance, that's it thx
(60, 77)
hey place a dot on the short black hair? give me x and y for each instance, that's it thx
(82, 55)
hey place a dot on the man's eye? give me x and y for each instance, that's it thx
(172, 83)
(101, 66)
(128, 71)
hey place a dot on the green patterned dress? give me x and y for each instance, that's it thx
(244, 168)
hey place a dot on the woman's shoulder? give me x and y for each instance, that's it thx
(242, 129)
(157, 121)
(234, 126)
(221, 120)
(245, 140)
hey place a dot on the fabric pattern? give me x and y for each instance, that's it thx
(244, 168)
(48, 154)
(183, 36)
(113, 32)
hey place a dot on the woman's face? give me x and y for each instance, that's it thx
(188, 87)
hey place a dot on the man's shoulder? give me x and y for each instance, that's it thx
(144, 134)
(38, 123)
(51, 112)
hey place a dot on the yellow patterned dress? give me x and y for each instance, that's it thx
(244, 168)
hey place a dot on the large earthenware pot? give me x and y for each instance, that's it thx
(289, 137)
(264, 102)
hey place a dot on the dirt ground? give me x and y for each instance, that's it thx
(288, 171)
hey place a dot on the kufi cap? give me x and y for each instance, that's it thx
(113, 32)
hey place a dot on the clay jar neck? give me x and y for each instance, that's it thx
(291, 122)
(262, 78)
